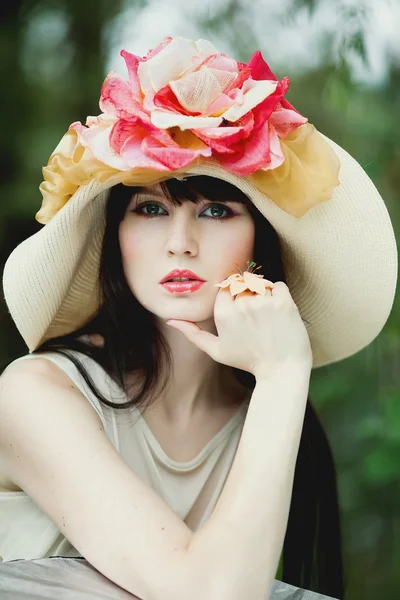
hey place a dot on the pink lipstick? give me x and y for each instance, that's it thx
(182, 287)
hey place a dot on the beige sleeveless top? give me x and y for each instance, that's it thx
(191, 489)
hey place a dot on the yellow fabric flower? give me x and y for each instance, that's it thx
(306, 177)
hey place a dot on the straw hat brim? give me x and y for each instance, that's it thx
(340, 260)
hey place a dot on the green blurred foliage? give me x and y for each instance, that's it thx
(54, 56)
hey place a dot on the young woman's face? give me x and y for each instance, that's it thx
(208, 238)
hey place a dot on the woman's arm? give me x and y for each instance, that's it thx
(53, 447)
(239, 547)
(53, 442)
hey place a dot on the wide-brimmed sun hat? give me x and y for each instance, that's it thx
(188, 109)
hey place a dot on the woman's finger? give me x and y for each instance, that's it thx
(206, 341)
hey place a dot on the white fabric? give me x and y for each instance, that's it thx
(191, 489)
(76, 579)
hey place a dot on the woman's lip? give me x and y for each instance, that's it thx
(169, 280)
(186, 279)
(175, 273)
(185, 287)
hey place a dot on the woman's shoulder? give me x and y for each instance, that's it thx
(34, 387)
(55, 371)
(69, 368)
(32, 365)
(54, 366)
(48, 366)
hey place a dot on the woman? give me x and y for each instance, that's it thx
(198, 163)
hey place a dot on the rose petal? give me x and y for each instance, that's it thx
(167, 40)
(132, 62)
(98, 141)
(285, 121)
(253, 97)
(218, 133)
(206, 48)
(164, 136)
(120, 132)
(243, 75)
(134, 153)
(222, 138)
(216, 146)
(195, 91)
(115, 94)
(173, 158)
(218, 106)
(264, 110)
(276, 156)
(166, 100)
(164, 120)
(187, 139)
(102, 120)
(144, 80)
(237, 96)
(117, 98)
(219, 62)
(253, 154)
(259, 68)
(168, 64)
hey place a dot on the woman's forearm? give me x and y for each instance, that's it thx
(239, 547)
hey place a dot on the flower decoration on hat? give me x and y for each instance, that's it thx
(185, 102)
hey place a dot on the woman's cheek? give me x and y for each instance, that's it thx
(132, 242)
(236, 248)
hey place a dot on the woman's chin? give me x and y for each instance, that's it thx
(200, 316)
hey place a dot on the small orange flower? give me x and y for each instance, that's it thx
(248, 280)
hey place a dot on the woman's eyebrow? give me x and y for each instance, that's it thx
(234, 200)
(150, 196)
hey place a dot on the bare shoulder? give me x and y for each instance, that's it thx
(34, 393)
(21, 372)
(38, 390)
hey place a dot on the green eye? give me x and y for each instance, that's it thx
(140, 211)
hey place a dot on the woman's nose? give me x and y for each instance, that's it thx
(182, 235)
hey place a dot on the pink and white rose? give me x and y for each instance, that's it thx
(222, 108)
(185, 102)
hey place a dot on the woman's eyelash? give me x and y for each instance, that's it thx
(218, 205)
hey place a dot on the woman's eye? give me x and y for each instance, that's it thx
(149, 205)
(218, 208)
(214, 208)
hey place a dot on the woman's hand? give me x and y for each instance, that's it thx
(255, 333)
